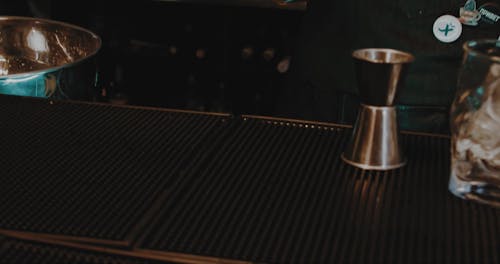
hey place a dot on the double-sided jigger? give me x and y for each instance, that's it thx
(374, 144)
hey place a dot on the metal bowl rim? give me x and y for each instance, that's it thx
(54, 68)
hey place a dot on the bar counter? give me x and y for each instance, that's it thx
(95, 183)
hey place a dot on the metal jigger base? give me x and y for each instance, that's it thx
(374, 144)
(372, 167)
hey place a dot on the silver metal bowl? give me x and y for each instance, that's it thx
(45, 58)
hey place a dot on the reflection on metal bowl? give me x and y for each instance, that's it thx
(44, 58)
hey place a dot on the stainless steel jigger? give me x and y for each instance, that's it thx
(374, 144)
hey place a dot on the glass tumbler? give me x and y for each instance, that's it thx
(475, 125)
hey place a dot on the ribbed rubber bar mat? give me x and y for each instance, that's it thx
(19, 252)
(278, 192)
(92, 171)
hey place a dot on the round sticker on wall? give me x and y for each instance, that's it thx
(447, 28)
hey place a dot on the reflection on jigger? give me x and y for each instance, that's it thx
(374, 144)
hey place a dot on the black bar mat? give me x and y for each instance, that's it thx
(18, 251)
(92, 172)
(278, 192)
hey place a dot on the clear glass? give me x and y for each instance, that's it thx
(475, 125)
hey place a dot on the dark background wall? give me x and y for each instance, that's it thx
(209, 57)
